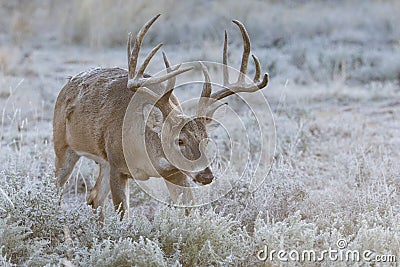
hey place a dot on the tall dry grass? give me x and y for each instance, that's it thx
(107, 22)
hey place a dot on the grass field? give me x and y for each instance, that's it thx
(334, 93)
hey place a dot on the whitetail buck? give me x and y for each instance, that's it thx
(89, 114)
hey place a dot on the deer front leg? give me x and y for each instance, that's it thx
(120, 191)
(101, 189)
(179, 188)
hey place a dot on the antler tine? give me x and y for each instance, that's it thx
(166, 62)
(154, 80)
(207, 84)
(264, 81)
(258, 68)
(225, 60)
(206, 92)
(135, 81)
(147, 60)
(246, 51)
(138, 43)
(240, 85)
(171, 82)
(236, 88)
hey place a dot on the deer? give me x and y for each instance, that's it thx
(89, 113)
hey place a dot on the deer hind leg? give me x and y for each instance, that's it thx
(101, 189)
(66, 159)
(120, 191)
(179, 189)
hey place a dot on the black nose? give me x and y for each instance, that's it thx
(204, 177)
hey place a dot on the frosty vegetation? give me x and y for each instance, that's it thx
(334, 93)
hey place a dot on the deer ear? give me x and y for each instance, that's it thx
(214, 116)
(211, 124)
(153, 117)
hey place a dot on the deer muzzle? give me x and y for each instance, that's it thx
(204, 177)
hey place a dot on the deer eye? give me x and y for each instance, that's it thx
(179, 142)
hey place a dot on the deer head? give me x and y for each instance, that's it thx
(179, 141)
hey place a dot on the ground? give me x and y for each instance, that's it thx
(334, 95)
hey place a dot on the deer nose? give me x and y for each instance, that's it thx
(205, 177)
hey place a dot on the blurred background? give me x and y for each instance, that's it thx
(302, 41)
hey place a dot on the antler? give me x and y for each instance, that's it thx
(240, 85)
(137, 80)
(204, 100)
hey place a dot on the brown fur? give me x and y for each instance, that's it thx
(88, 117)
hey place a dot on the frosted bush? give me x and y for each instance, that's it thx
(125, 252)
(220, 239)
(378, 234)
(13, 241)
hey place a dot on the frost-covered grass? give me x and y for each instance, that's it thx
(335, 176)
(334, 93)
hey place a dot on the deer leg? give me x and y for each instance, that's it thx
(101, 189)
(65, 162)
(66, 159)
(178, 186)
(120, 191)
